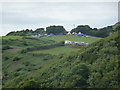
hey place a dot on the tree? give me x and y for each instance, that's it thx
(40, 31)
(83, 71)
(82, 28)
(56, 30)
(102, 32)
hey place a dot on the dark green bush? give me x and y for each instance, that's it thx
(24, 51)
(6, 47)
(16, 58)
(19, 69)
(26, 63)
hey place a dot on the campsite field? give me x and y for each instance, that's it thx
(59, 38)
(18, 43)
(65, 49)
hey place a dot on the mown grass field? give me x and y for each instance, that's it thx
(57, 50)
(59, 38)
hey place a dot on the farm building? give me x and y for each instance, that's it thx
(68, 42)
(80, 43)
(76, 43)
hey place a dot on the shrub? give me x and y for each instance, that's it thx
(6, 47)
(26, 63)
(16, 74)
(24, 51)
(28, 84)
(16, 58)
(19, 69)
(6, 58)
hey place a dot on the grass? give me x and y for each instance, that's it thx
(0, 87)
(65, 49)
(12, 37)
(57, 50)
(59, 38)
(38, 59)
(24, 42)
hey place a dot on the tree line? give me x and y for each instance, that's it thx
(60, 30)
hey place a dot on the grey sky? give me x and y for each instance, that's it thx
(19, 16)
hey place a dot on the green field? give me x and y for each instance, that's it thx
(59, 38)
(17, 43)
(66, 49)
(57, 50)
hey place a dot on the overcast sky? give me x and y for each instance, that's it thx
(29, 15)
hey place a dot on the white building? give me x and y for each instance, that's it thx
(68, 42)
(76, 43)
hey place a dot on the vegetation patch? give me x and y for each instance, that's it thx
(47, 63)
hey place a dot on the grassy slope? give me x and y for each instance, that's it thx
(99, 61)
(24, 42)
(25, 61)
(66, 49)
(57, 50)
(73, 38)
(30, 62)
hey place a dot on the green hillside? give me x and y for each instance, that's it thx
(59, 38)
(93, 66)
(23, 55)
(57, 50)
